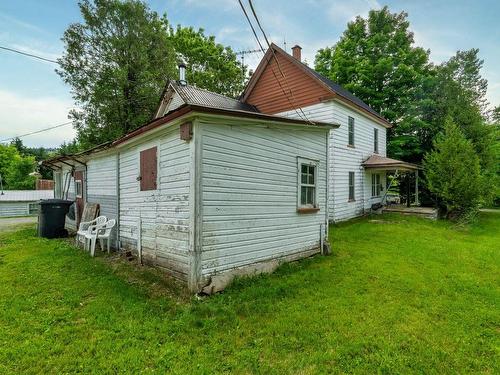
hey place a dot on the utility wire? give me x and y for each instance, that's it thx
(277, 63)
(38, 131)
(28, 54)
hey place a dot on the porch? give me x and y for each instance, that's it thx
(377, 163)
(427, 212)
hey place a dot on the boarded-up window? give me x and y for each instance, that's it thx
(149, 169)
(351, 131)
(351, 186)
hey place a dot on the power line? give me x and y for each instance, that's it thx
(38, 131)
(28, 54)
(277, 63)
(251, 26)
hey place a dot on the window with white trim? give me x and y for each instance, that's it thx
(307, 183)
(375, 140)
(376, 185)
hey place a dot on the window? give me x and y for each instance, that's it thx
(57, 185)
(307, 183)
(78, 189)
(351, 132)
(351, 186)
(376, 185)
(375, 141)
(148, 169)
(33, 208)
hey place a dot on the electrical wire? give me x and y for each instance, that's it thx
(37, 131)
(28, 54)
(277, 63)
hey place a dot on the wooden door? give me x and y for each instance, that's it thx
(79, 195)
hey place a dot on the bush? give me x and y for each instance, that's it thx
(453, 174)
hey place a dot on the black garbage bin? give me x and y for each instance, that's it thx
(52, 217)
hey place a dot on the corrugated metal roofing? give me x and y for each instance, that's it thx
(196, 96)
(25, 195)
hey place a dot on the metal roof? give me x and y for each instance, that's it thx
(25, 195)
(200, 97)
(381, 162)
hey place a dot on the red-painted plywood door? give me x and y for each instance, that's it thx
(79, 195)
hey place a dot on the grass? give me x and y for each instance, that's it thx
(398, 295)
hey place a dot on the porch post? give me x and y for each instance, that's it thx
(417, 203)
(408, 189)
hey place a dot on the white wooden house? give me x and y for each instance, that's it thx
(22, 202)
(209, 189)
(282, 85)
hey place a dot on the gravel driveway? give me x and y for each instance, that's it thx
(12, 223)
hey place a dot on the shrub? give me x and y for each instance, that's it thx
(453, 174)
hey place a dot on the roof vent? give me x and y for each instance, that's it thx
(182, 74)
(296, 51)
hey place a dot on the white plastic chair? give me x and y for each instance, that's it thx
(101, 233)
(84, 227)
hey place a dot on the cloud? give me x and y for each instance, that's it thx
(346, 11)
(20, 114)
(25, 25)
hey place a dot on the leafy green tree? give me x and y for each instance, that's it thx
(18, 175)
(376, 60)
(15, 168)
(7, 155)
(495, 115)
(458, 91)
(453, 173)
(39, 153)
(118, 59)
(210, 65)
(116, 62)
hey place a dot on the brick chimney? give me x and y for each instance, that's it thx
(296, 49)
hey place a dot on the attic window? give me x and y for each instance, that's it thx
(148, 169)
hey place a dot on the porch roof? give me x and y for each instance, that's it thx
(381, 162)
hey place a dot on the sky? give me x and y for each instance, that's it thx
(33, 96)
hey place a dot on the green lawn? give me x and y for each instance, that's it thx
(398, 295)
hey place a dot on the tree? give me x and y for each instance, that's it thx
(39, 153)
(117, 62)
(15, 168)
(209, 65)
(119, 58)
(458, 91)
(495, 115)
(453, 173)
(377, 61)
(18, 175)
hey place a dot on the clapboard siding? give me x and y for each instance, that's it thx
(102, 189)
(164, 213)
(344, 159)
(249, 194)
(11, 209)
(268, 93)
